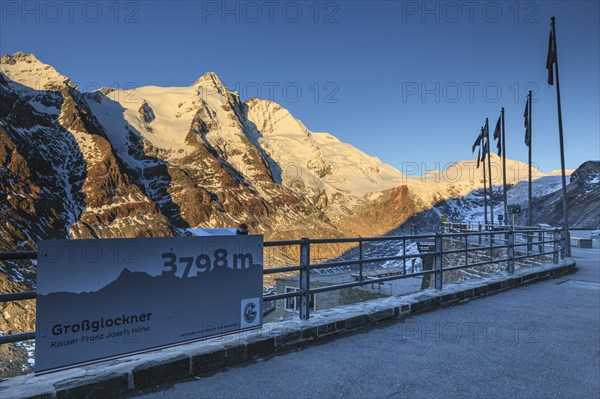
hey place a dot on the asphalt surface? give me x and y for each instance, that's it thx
(537, 341)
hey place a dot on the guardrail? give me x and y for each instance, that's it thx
(480, 225)
(537, 242)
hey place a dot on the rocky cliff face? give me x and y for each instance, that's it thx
(583, 200)
(102, 174)
(380, 215)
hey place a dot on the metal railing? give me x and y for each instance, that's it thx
(513, 245)
(481, 225)
(517, 245)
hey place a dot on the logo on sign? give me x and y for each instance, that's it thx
(250, 312)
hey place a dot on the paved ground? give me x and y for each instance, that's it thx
(538, 341)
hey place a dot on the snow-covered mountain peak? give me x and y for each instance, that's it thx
(272, 118)
(19, 56)
(27, 72)
(209, 78)
(316, 162)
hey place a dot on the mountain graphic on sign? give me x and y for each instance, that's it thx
(138, 281)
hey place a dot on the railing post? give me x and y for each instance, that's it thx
(304, 278)
(466, 249)
(360, 258)
(439, 253)
(540, 239)
(564, 244)
(556, 246)
(479, 224)
(491, 245)
(511, 252)
(404, 255)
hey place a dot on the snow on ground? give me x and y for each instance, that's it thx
(543, 186)
(44, 109)
(29, 346)
(594, 178)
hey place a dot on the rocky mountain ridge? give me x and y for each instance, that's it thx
(583, 200)
(153, 161)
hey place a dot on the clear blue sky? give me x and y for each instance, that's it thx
(405, 81)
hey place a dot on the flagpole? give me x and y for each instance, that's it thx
(504, 168)
(529, 209)
(485, 212)
(487, 129)
(562, 146)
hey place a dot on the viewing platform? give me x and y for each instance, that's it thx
(541, 340)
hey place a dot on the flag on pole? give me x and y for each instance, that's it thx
(497, 137)
(526, 124)
(484, 151)
(499, 147)
(476, 143)
(485, 143)
(478, 157)
(497, 130)
(551, 59)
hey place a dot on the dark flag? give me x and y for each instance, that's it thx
(499, 147)
(485, 148)
(497, 137)
(485, 143)
(551, 59)
(476, 143)
(526, 125)
(478, 157)
(497, 130)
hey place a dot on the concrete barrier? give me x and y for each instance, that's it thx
(134, 373)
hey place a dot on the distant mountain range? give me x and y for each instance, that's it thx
(152, 161)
